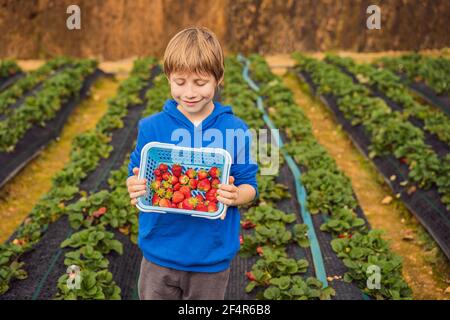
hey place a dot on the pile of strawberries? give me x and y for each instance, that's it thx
(173, 189)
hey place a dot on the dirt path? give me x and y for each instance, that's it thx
(19, 196)
(401, 228)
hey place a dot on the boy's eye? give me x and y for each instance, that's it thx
(180, 83)
(201, 83)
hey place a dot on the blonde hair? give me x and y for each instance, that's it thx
(197, 50)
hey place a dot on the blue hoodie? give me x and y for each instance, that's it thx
(183, 242)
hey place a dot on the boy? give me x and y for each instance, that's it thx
(188, 257)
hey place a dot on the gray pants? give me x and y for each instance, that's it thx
(160, 283)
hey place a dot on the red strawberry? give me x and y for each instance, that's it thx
(158, 178)
(155, 185)
(193, 184)
(202, 174)
(99, 212)
(186, 191)
(215, 183)
(250, 276)
(211, 195)
(165, 203)
(201, 207)
(184, 179)
(212, 207)
(176, 170)
(166, 176)
(173, 180)
(174, 205)
(163, 167)
(190, 203)
(155, 200)
(248, 225)
(157, 172)
(191, 173)
(204, 185)
(177, 187)
(259, 250)
(177, 197)
(200, 198)
(180, 205)
(214, 172)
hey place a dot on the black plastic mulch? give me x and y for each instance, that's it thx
(426, 205)
(440, 147)
(428, 94)
(8, 81)
(37, 137)
(45, 263)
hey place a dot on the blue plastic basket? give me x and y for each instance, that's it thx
(155, 153)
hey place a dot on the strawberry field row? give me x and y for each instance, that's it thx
(388, 84)
(274, 233)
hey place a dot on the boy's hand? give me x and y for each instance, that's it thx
(228, 194)
(136, 187)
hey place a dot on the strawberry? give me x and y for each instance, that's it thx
(214, 172)
(177, 187)
(190, 203)
(201, 207)
(155, 185)
(215, 183)
(211, 195)
(259, 250)
(248, 225)
(202, 174)
(169, 193)
(173, 180)
(184, 179)
(163, 167)
(161, 192)
(166, 184)
(174, 205)
(191, 173)
(101, 211)
(157, 172)
(250, 276)
(200, 198)
(193, 184)
(212, 207)
(186, 191)
(177, 197)
(204, 185)
(177, 170)
(165, 203)
(158, 178)
(180, 205)
(166, 176)
(155, 200)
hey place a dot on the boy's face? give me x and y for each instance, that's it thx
(193, 92)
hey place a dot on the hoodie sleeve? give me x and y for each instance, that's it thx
(135, 157)
(245, 172)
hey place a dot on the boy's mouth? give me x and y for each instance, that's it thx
(191, 103)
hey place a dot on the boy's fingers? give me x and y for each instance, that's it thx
(137, 187)
(227, 187)
(137, 194)
(136, 171)
(231, 180)
(133, 202)
(226, 194)
(225, 200)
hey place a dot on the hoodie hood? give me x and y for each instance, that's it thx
(170, 109)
